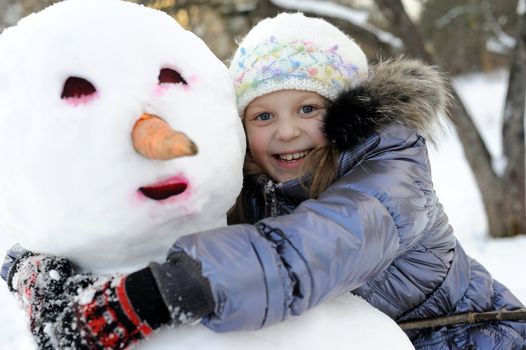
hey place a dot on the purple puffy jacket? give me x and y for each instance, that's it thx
(378, 231)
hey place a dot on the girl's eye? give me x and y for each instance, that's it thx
(170, 76)
(77, 88)
(308, 109)
(263, 116)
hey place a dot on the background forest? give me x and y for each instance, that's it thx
(463, 35)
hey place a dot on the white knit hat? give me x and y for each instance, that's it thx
(291, 51)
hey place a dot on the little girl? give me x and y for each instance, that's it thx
(337, 197)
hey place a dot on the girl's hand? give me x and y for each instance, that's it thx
(77, 311)
(83, 311)
(99, 315)
(39, 281)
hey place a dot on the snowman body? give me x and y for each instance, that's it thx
(74, 80)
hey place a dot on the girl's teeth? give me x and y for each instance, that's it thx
(293, 156)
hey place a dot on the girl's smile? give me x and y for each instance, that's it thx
(283, 127)
(290, 160)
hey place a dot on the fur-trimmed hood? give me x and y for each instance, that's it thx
(401, 91)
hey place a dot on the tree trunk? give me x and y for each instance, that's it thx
(503, 196)
(513, 215)
(480, 162)
(405, 29)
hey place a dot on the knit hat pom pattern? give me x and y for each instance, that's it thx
(292, 51)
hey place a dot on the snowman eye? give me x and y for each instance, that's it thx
(77, 88)
(170, 76)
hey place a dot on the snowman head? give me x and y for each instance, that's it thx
(75, 79)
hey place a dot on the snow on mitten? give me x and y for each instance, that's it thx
(111, 312)
(38, 281)
(116, 312)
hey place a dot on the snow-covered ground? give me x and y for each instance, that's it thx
(455, 186)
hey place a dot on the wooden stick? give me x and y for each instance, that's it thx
(471, 317)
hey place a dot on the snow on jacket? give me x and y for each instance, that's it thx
(378, 231)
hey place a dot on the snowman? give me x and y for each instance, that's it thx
(82, 85)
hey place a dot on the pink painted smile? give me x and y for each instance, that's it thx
(165, 189)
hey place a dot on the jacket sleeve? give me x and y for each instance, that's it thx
(260, 274)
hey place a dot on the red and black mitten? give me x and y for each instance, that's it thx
(112, 312)
(84, 311)
(118, 311)
(39, 281)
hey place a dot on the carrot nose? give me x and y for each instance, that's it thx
(155, 139)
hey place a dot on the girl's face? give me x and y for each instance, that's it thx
(282, 128)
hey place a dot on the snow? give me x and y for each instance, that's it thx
(356, 332)
(454, 182)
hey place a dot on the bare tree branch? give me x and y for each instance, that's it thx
(469, 318)
(455, 12)
(501, 37)
(394, 11)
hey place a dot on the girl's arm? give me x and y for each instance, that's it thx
(85, 311)
(260, 274)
